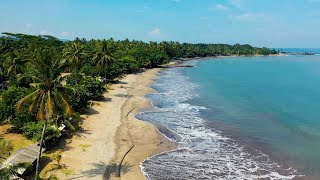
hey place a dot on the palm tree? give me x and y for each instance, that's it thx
(14, 63)
(75, 54)
(47, 98)
(8, 171)
(103, 56)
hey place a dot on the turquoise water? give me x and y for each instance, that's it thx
(274, 101)
(238, 118)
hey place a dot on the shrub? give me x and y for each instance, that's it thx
(128, 64)
(94, 86)
(33, 131)
(78, 97)
(2, 112)
(87, 69)
(9, 100)
(21, 118)
(5, 148)
(85, 83)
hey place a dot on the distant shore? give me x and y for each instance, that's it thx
(211, 57)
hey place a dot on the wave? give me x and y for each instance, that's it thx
(204, 153)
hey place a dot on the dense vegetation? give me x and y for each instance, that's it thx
(46, 81)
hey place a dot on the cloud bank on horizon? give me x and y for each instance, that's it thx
(271, 23)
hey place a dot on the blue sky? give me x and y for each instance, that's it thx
(271, 23)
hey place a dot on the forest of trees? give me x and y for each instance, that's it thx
(107, 58)
(44, 80)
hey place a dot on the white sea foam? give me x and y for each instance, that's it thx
(204, 153)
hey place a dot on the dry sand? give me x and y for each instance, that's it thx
(110, 130)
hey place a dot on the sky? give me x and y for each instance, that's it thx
(270, 23)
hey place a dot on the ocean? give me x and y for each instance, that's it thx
(300, 50)
(238, 118)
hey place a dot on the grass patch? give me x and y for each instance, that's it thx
(68, 172)
(18, 140)
(84, 147)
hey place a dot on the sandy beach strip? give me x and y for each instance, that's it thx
(137, 140)
(109, 130)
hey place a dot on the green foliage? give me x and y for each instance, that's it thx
(89, 70)
(33, 131)
(36, 63)
(78, 97)
(74, 53)
(9, 100)
(56, 156)
(8, 171)
(22, 117)
(93, 86)
(127, 64)
(81, 89)
(5, 148)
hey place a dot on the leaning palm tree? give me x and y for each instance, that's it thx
(103, 56)
(47, 98)
(75, 54)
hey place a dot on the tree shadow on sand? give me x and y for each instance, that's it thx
(104, 169)
(114, 169)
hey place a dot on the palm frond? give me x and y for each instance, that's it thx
(41, 111)
(49, 104)
(36, 85)
(26, 99)
(67, 109)
(35, 102)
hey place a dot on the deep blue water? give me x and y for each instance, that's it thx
(244, 117)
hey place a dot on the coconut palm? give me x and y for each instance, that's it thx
(74, 53)
(103, 56)
(8, 171)
(14, 63)
(47, 99)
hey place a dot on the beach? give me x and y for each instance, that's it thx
(109, 130)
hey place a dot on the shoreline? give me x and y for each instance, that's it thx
(231, 56)
(110, 135)
(138, 140)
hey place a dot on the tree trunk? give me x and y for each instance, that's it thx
(40, 150)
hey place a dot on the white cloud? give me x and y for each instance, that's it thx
(221, 7)
(65, 34)
(28, 25)
(155, 32)
(45, 32)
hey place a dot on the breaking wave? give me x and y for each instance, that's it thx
(204, 153)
